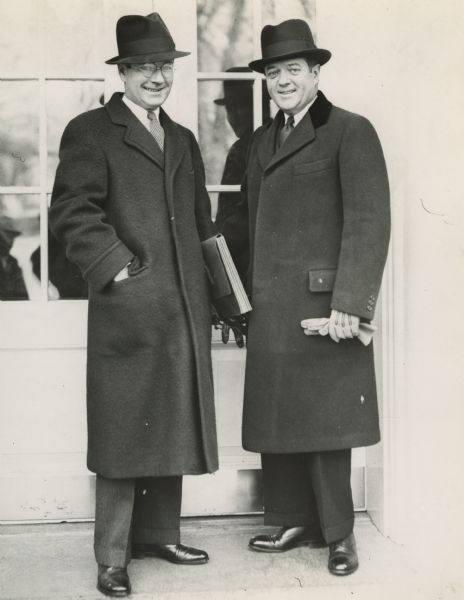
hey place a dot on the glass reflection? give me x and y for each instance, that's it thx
(20, 37)
(66, 100)
(62, 24)
(275, 12)
(238, 103)
(19, 133)
(224, 33)
(19, 236)
(225, 117)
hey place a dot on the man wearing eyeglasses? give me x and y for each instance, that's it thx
(130, 205)
(315, 214)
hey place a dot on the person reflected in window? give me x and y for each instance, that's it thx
(12, 286)
(238, 102)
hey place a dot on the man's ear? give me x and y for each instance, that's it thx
(122, 72)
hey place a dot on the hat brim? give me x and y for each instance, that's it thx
(142, 58)
(319, 54)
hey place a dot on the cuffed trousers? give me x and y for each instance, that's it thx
(311, 489)
(144, 510)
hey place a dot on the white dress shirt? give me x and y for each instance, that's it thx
(297, 118)
(140, 112)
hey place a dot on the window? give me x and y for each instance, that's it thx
(53, 69)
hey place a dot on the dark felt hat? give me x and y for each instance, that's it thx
(236, 91)
(144, 39)
(289, 38)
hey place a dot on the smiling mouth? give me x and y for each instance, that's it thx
(151, 89)
(287, 92)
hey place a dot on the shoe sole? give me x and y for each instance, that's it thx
(113, 594)
(140, 555)
(343, 573)
(311, 544)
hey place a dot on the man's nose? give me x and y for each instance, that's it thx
(157, 77)
(283, 78)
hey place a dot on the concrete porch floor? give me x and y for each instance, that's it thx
(55, 562)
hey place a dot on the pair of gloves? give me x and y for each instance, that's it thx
(238, 326)
(340, 326)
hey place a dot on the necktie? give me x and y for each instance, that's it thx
(287, 129)
(155, 129)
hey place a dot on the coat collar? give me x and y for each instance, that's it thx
(138, 137)
(305, 132)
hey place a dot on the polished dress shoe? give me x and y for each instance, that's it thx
(113, 581)
(286, 539)
(343, 559)
(175, 553)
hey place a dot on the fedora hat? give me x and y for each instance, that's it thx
(289, 38)
(236, 91)
(143, 39)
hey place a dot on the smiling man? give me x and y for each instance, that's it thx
(315, 215)
(130, 205)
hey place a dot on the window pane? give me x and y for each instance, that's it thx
(19, 133)
(225, 126)
(19, 242)
(74, 37)
(275, 12)
(19, 42)
(66, 100)
(224, 34)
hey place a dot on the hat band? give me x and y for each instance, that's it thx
(287, 47)
(147, 46)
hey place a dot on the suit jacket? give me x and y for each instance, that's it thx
(149, 381)
(315, 214)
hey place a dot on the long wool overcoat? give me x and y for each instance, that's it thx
(318, 215)
(116, 196)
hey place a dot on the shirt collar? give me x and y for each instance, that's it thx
(297, 118)
(139, 111)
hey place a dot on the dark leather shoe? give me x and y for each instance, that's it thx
(286, 539)
(175, 553)
(113, 581)
(343, 559)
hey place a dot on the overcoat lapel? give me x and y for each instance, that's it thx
(267, 144)
(136, 135)
(304, 133)
(174, 146)
(301, 136)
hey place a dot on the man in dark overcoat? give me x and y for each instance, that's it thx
(130, 205)
(315, 213)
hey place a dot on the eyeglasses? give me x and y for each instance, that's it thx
(149, 69)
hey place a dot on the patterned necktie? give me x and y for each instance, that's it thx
(155, 129)
(287, 129)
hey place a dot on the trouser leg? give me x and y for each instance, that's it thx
(114, 503)
(330, 476)
(157, 505)
(288, 497)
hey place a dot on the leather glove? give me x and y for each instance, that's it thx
(238, 325)
(341, 326)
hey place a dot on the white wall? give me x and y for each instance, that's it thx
(401, 63)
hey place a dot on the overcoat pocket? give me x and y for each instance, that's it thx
(312, 167)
